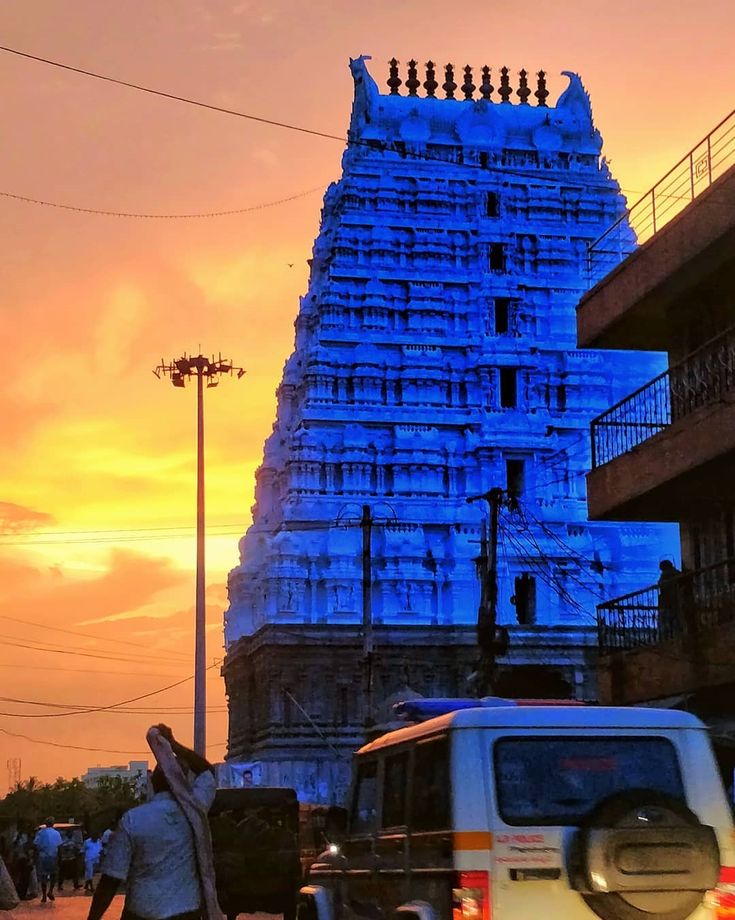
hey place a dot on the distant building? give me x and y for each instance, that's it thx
(667, 450)
(435, 358)
(135, 770)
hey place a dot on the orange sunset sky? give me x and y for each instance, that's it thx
(97, 467)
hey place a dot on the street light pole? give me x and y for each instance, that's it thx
(180, 370)
(200, 615)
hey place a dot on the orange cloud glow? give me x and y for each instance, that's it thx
(97, 475)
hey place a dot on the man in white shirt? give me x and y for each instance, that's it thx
(92, 852)
(47, 842)
(152, 850)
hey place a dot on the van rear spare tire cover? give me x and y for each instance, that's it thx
(643, 855)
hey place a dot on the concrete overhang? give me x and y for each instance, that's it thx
(676, 474)
(628, 308)
(669, 668)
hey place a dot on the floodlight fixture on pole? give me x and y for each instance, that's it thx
(180, 370)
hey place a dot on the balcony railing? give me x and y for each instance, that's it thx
(695, 172)
(686, 606)
(700, 379)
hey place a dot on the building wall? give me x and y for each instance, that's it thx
(435, 359)
(135, 769)
(299, 702)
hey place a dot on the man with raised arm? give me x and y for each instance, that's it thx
(152, 849)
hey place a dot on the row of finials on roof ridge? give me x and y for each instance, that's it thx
(486, 89)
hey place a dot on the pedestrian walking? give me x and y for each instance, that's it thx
(21, 863)
(47, 842)
(153, 849)
(70, 852)
(92, 851)
(104, 839)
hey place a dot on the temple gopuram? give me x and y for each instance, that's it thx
(435, 359)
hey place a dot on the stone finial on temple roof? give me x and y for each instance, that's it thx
(523, 92)
(430, 84)
(412, 82)
(486, 88)
(393, 81)
(504, 90)
(468, 87)
(541, 93)
(449, 86)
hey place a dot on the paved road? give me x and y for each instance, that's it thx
(74, 906)
(69, 905)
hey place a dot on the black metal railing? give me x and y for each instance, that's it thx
(701, 379)
(696, 171)
(688, 606)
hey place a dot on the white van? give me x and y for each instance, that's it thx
(508, 811)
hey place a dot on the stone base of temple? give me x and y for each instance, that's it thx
(298, 696)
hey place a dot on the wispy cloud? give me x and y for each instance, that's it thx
(19, 519)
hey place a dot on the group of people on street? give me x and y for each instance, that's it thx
(160, 851)
(41, 862)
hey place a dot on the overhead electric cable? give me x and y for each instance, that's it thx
(83, 707)
(142, 534)
(97, 671)
(11, 641)
(68, 747)
(111, 706)
(105, 213)
(372, 144)
(165, 95)
(535, 561)
(118, 530)
(78, 632)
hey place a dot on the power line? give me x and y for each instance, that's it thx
(114, 540)
(525, 512)
(535, 561)
(83, 708)
(585, 587)
(174, 96)
(372, 144)
(90, 709)
(68, 747)
(77, 632)
(120, 530)
(48, 537)
(97, 671)
(104, 213)
(60, 650)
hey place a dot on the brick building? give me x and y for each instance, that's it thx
(667, 451)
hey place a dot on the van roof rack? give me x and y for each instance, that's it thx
(422, 709)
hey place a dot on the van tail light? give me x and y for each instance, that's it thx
(471, 896)
(722, 898)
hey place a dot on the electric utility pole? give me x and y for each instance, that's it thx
(366, 524)
(367, 521)
(180, 370)
(491, 641)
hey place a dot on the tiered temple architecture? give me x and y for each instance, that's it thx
(434, 360)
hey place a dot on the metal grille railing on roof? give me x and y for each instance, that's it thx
(701, 379)
(686, 606)
(695, 172)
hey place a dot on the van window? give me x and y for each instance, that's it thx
(430, 805)
(365, 799)
(395, 790)
(558, 780)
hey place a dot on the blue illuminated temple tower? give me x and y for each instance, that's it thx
(434, 359)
